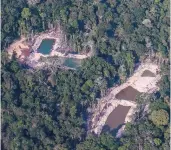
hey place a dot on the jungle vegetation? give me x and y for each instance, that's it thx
(44, 111)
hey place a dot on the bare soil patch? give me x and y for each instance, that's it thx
(19, 47)
(30, 52)
(124, 95)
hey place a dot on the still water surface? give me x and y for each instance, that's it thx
(117, 116)
(46, 46)
(72, 63)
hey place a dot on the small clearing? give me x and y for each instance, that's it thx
(101, 111)
(27, 51)
(20, 48)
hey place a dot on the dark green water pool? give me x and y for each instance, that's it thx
(72, 63)
(46, 46)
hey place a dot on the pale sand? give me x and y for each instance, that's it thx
(120, 131)
(76, 56)
(16, 47)
(142, 84)
(34, 57)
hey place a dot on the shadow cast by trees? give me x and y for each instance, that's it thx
(107, 129)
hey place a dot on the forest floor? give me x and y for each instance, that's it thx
(101, 111)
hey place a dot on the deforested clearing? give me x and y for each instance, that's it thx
(102, 110)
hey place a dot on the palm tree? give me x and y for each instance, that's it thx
(26, 14)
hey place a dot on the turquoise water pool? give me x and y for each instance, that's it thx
(72, 63)
(46, 46)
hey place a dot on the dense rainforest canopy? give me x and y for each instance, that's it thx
(45, 111)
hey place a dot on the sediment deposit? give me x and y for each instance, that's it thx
(59, 49)
(101, 111)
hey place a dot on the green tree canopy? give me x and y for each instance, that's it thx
(160, 117)
(26, 13)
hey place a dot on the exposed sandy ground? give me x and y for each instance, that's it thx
(33, 58)
(100, 112)
(76, 56)
(36, 56)
(120, 132)
(60, 44)
(17, 47)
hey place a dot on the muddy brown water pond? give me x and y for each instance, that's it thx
(117, 116)
(129, 93)
(147, 73)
